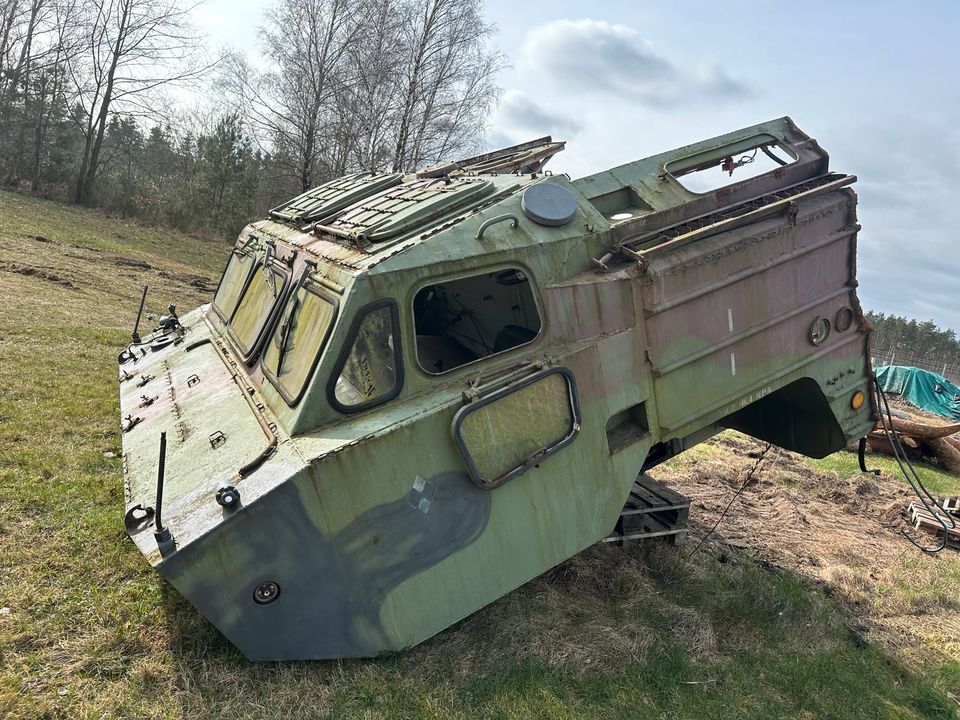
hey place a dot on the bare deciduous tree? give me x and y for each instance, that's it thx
(366, 99)
(370, 84)
(289, 104)
(448, 76)
(342, 85)
(131, 49)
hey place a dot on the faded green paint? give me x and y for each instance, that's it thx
(674, 318)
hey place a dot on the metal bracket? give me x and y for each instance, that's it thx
(193, 380)
(601, 263)
(132, 521)
(790, 210)
(642, 263)
(217, 439)
(480, 384)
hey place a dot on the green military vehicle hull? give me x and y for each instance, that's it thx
(412, 394)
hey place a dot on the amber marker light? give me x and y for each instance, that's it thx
(856, 402)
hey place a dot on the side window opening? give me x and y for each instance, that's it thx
(370, 371)
(716, 169)
(462, 320)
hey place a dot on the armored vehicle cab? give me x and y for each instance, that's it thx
(411, 394)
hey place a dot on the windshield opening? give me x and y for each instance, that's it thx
(255, 307)
(234, 279)
(298, 340)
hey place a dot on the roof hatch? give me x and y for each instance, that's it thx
(398, 210)
(333, 196)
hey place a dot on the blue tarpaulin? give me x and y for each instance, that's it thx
(922, 388)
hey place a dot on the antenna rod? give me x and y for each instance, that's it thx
(161, 533)
(135, 335)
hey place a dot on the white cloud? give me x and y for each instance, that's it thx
(907, 179)
(519, 117)
(599, 58)
(608, 91)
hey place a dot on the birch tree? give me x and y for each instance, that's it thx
(370, 84)
(132, 49)
(447, 80)
(290, 104)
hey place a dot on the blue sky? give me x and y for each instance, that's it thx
(874, 82)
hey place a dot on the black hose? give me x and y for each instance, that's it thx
(766, 151)
(861, 449)
(900, 455)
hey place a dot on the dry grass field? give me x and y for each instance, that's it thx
(805, 603)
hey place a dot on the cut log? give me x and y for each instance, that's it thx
(878, 442)
(947, 455)
(880, 435)
(920, 430)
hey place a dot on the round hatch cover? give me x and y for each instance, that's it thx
(548, 204)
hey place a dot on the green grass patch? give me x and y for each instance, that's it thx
(92, 632)
(845, 464)
(41, 221)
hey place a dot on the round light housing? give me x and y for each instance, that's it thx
(856, 402)
(266, 592)
(819, 330)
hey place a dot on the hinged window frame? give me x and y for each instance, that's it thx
(536, 458)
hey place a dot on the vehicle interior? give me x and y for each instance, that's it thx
(465, 319)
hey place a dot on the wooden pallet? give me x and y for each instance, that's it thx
(653, 510)
(922, 519)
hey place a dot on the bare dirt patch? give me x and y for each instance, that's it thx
(37, 272)
(200, 282)
(107, 285)
(846, 533)
(131, 263)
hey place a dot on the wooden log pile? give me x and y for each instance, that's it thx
(922, 435)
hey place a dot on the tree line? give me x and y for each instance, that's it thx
(119, 104)
(918, 342)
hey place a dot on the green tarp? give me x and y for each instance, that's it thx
(922, 388)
